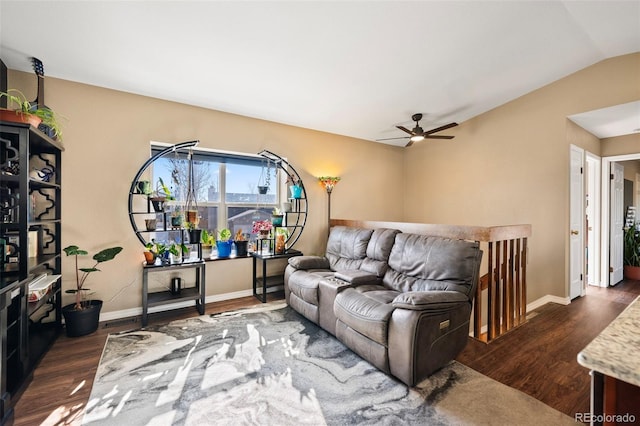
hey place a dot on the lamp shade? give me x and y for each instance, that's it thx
(328, 182)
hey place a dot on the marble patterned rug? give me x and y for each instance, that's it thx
(270, 366)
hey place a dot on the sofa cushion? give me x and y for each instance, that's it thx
(423, 263)
(366, 315)
(305, 285)
(356, 276)
(378, 251)
(309, 262)
(347, 247)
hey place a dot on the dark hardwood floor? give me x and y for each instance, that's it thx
(538, 358)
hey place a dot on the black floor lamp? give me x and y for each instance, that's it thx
(329, 182)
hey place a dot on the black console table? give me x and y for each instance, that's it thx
(158, 298)
(268, 281)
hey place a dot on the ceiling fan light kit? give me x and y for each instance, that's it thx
(418, 134)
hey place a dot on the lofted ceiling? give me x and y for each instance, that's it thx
(354, 68)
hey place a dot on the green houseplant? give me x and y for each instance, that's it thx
(224, 242)
(82, 316)
(24, 112)
(632, 253)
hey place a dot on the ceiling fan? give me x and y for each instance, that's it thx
(418, 134)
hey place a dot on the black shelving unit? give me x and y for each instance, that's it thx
(30, 225)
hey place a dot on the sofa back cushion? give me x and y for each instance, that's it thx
(347, 247)
(378, 251)
(423, 263)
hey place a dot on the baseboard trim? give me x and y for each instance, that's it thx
(133, 312)
(535, 305)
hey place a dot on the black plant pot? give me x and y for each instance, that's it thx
(194, 235)
(80, 323)
(241, 248)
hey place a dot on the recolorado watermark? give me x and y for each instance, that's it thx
(602, 418)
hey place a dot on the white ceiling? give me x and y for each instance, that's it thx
(354, 68)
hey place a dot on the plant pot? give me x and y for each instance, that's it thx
(224, 248)
(241, 248)
(176, 221)
(150, 257)
(263, 189)
(192, 216)
(296, 191)
(158, 204)
(151, 224)
(206, 251)
(83, 322)
(18, 117)
(632, 272)
(276, 220)
(195, 235)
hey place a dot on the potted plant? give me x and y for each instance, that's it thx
(296, 186)
(241, 243)
(195, 234)
(177, 252)
(632, 253)
(262, 228)
(276, 217)
(160, 195)
(155, 251)
(224, 242)
(176, 218)
(82, 316)
(24, 112)
(281, 238)
(207, 239)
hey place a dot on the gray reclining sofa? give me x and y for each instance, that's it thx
(401, 301)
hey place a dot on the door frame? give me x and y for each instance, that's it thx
(577, 222)
(604, 213)
(594, 166)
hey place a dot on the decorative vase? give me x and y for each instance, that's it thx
(82, 322)
(241, 248)
(224, 248)
(296, 191)
(276, 220)
(280, 244)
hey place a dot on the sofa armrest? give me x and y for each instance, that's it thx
(309, 262)
(429, 300)
(356, 276)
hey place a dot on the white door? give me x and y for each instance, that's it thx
(617, 223)
(576, 228)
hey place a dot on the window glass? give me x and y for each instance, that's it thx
(226, 188)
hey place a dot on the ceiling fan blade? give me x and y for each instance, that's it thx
(389, 139)
(409, 143)
(439, 129)
(404, 129)
(438, 137)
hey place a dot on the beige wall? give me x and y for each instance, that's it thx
(507, 166)
(510, 165)
(106, 139)
(621, 145)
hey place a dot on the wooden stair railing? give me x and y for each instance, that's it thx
(502, 289)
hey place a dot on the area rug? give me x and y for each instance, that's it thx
(270, 366)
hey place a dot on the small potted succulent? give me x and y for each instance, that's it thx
(82, 316)
(224, 242)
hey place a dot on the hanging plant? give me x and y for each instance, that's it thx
(264, 182)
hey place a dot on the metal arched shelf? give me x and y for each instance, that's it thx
(295, 220)
(133, 193)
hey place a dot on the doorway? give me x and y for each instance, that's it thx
(607, 167)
